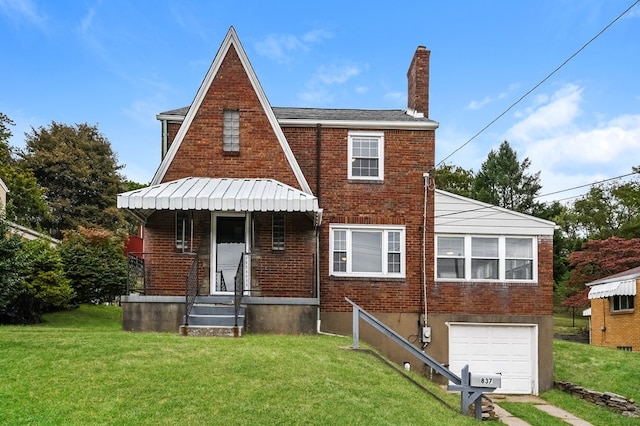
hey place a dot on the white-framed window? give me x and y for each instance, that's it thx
(231, 131)
(366, 155)
(277, 232)
(486, 258)
(621, 303)
(184, 231)
(367, 250)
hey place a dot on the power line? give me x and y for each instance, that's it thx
(539, 84)
(587, 184)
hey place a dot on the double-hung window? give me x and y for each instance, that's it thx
(367, 251)
(366, 155)
(231, 131)
(483, 258)
(184, 231)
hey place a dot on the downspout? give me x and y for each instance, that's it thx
(318, 151)
(165, 137)
(423, 332)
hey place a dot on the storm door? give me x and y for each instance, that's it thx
(230, 243)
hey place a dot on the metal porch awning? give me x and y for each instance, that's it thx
(219, 194)
(614, 288)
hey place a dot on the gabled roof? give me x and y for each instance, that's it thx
(633, 273)
(457, 214)
(231, 40)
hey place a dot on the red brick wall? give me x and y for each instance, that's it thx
(396, 200)
(201, 153)
(289, 272)
(498, 298)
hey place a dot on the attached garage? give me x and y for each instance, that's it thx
(510, 349)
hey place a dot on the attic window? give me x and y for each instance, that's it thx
(231, 131)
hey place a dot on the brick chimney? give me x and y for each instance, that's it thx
(418, 81)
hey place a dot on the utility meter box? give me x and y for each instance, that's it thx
(485, 380)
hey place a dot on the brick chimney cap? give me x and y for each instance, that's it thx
(421, 48)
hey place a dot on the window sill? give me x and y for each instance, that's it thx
(231, 153)
(368, 279)
(622, 312)
(367, 181)
(490, 282)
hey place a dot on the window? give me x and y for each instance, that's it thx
(477, 258)
(621, 303)
(625, 348)
(367, 251)
(366, 155)
(231, 131)
(450, 257)
(277, 231)
(184, 231)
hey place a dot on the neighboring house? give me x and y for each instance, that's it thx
(614, 320)
(3, 195)
(294, 209)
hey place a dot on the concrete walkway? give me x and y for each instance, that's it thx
(507, 418)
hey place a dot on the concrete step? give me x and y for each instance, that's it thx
(210, 331)
(215, 320)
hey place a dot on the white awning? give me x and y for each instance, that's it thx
(614, 288)
(219, 194)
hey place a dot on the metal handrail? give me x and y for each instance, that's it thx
(238, 288)
(191, 289)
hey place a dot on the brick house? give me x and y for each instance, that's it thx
(290, 210)
(614, 320)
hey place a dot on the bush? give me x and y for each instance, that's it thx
(9, 272)
(94, 261)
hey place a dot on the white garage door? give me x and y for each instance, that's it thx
(510, 349)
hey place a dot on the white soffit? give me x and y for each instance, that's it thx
(615, 288)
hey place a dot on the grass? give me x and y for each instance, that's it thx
(565, 322)
(80, 368)
(596, 368)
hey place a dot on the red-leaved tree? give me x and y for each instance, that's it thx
(601, 258)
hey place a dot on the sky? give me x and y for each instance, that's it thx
(118, 63)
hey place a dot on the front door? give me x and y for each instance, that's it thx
(230, 243)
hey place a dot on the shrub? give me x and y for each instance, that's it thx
(9, 272)
(94, 262)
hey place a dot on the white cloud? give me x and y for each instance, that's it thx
(144, 111)
(571, 152)
(87, 20)
(23, 10)
(336, 74)
(280, 47)
(476, 105)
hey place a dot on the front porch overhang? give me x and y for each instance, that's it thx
(220, 194)
(613, 288)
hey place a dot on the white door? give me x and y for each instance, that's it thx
(510, 349)
(229, 242)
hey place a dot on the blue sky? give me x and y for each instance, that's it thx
(119, 63)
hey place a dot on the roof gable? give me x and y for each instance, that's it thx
(457, 214)
(231, 43)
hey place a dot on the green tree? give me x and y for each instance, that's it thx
(44, 285)
(94, 261)
(9, 272)
(25, 201)
(609, 209)
(455, 179)
(503, 181)
(81, 174)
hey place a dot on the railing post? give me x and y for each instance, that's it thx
(356, 327)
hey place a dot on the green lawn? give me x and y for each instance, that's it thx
(80, 368)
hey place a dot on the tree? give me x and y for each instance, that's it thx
(455, 179)
(601, 258)
(80, 172)
(9, 272)
(94, 261)
(611, 209)
(25, 202)
(503, 181)
(44, 285)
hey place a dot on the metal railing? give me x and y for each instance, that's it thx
(238, 289)
(468, 394)
(191, 289)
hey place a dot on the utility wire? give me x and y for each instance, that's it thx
(586, 184)
(539, 84)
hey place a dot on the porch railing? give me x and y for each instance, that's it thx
(192, 289)
(238, 290)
